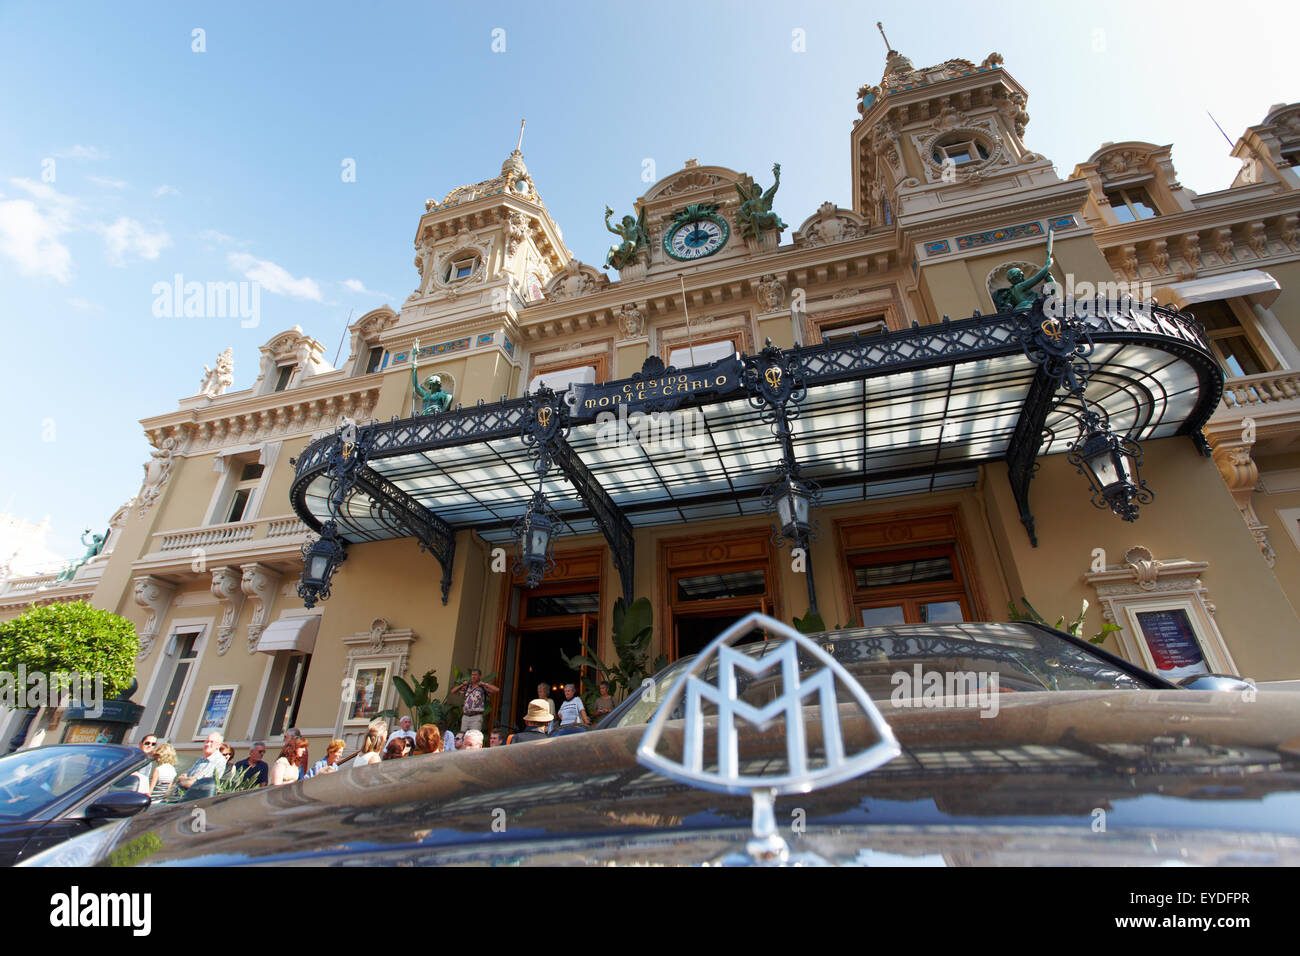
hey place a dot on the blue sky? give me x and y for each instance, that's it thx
(227, 163)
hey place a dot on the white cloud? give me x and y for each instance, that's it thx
(274, 278)
(165, 190)
(111, 183)
(82, 152)
(127, 237)
(211, 235)
(30, 238)
(47, 194)
(356, 285)
(30, 231)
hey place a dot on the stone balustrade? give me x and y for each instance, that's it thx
(235, 532)
(1268, 388)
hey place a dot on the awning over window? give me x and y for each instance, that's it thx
(1233, 285)
(290, 634)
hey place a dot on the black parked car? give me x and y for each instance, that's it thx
(1061, 753)
(50, 794)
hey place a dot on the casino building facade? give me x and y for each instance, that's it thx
(861, 413)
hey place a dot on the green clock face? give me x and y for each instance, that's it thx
(697, 233)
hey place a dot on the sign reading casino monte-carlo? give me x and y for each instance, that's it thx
(656, 391)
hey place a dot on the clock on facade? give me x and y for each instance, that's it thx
(697, 231)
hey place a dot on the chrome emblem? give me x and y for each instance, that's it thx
(773, 376)
(799, 777)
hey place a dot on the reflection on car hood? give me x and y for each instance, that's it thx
(1107, 777)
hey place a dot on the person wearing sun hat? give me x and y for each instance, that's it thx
(536, 720)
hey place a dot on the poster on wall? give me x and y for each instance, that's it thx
(1172, 641)
(367, 693)
(217, 706)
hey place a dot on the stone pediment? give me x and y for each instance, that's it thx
(690, 184)
(575, 279)
(830, 224)
(1117, 160)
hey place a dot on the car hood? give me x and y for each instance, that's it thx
(1128, 776)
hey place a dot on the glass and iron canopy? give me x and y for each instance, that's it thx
(906, 412)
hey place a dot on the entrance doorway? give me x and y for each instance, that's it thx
(540, 663)
(551, 622)
(712, 584)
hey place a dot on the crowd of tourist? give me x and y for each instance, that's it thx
(217, 764)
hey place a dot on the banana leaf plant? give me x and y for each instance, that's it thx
(810, 623)
(633, 630)
(1074, 628)
(419, 700)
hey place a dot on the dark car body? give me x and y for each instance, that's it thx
(1077, 777)
(74, 788)
(1139, 772)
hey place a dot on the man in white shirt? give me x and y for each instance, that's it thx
(405, 731)
(201, 780)
(572, 712)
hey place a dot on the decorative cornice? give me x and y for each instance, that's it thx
(271, 417)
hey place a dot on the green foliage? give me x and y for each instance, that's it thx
(237, 781)
(132, 852)
(72, 637)
(419, 700)
(633, 630)
(1074, 628)
(810, 623)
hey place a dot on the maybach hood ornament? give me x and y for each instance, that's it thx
(801, 775)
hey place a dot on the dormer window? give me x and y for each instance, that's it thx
(1291, 157)
(959, 150)
(374, 358)
(460, 269)
(1132, 203)
(283, 374)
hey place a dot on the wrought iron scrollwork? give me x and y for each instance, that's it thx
(1059, 345)
(545, 423)
(776, 386)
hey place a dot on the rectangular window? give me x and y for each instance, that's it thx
(289, 698)
(709, 587)
(185, 658)
(685, 356)
(1132, 203)
(843, 329)
(557, 380)
(920, 585)
(1234, 340)
(239, 504)
(711, 584)
(372, 362)
(282, 377)
(249, 477)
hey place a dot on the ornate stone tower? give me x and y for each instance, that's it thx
(939, 154)
(490, 246)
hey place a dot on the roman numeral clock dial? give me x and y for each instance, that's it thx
(697, 231)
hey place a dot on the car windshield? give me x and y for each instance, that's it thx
(35, 779)
(917, 661)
